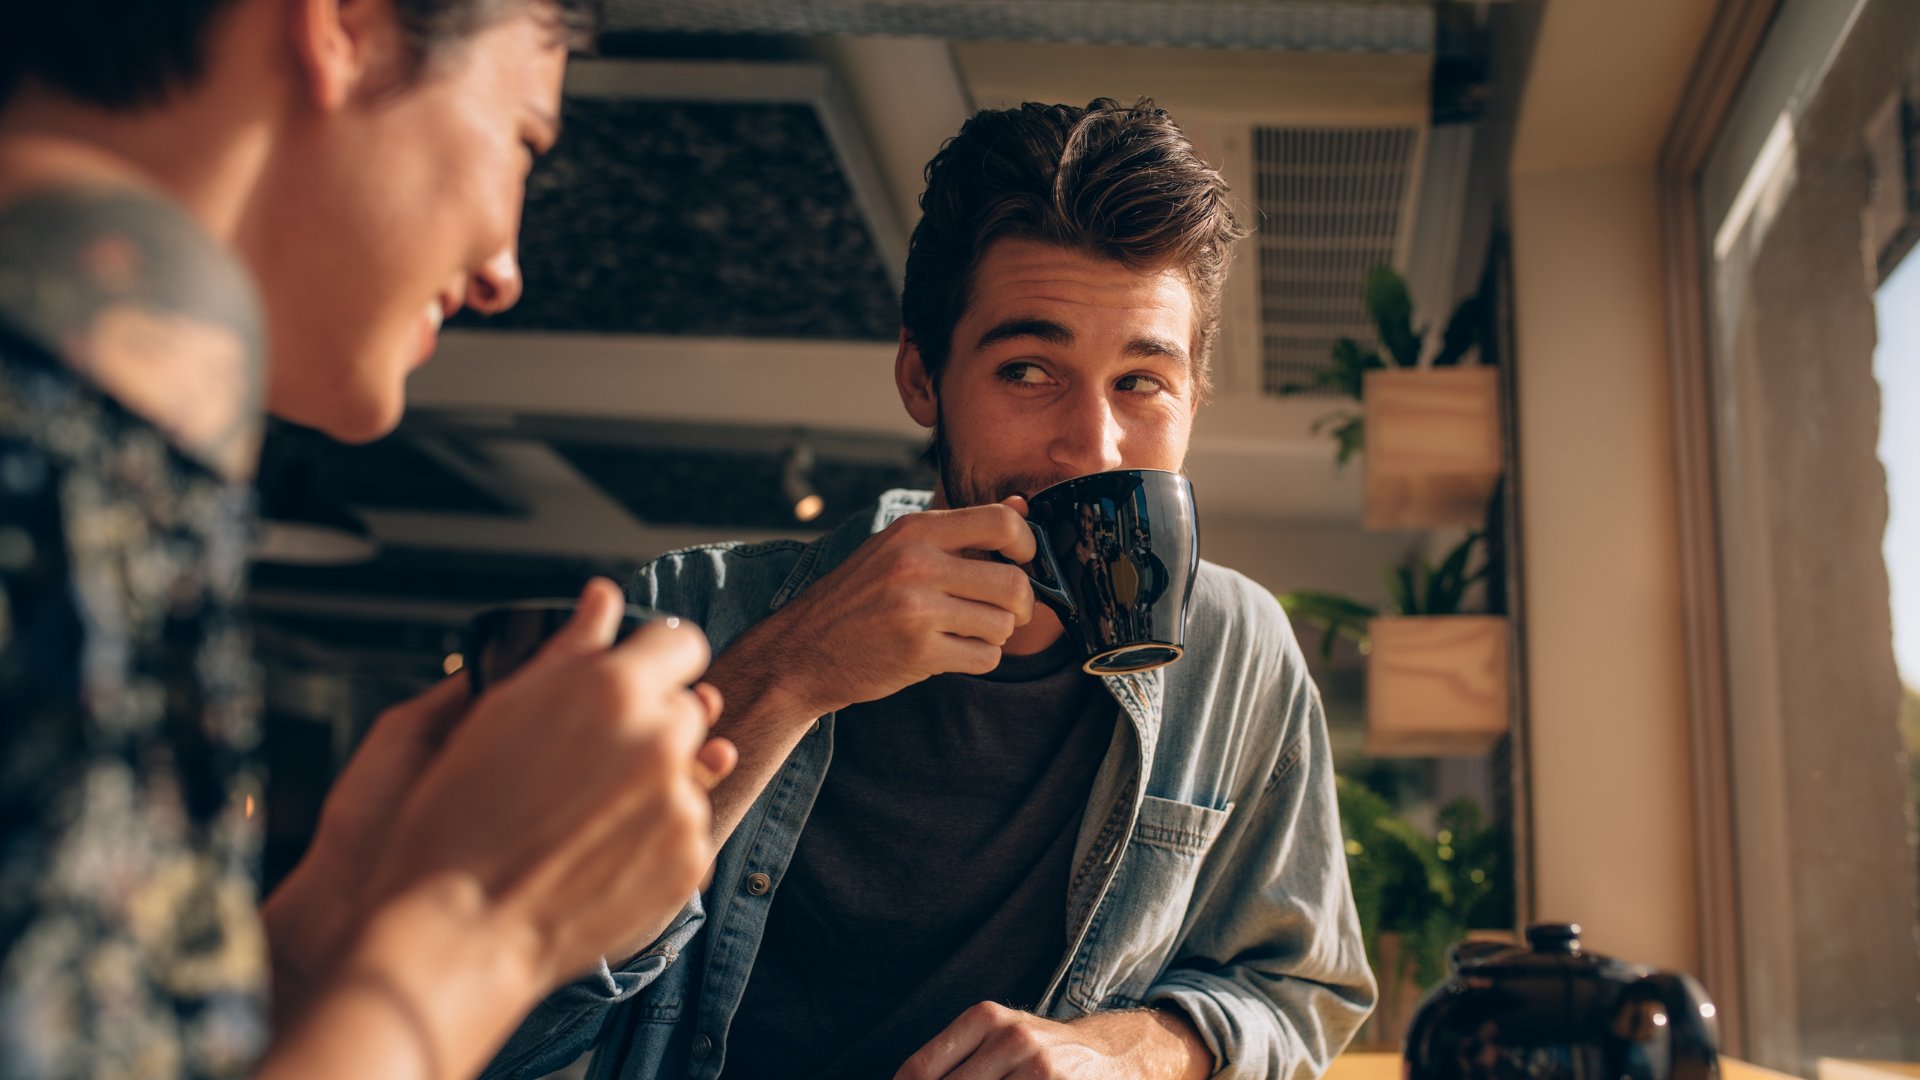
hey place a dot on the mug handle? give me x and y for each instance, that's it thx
(1050, 591)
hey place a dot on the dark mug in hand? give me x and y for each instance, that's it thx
(503, 637)
(1116, 559)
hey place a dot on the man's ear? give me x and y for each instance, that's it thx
(917, 390)
(342, 46)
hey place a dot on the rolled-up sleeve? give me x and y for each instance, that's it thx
(1273, 973)
(567, 1023)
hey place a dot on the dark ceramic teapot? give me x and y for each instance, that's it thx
(1551, 1011)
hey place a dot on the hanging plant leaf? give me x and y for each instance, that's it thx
(1463, 332)
(1400, 588)
(1336, 616)
(1448, 585)
(1391, 308)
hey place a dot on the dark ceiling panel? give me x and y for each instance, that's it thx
(724, 489)
(716, 220)
(1308, 25)
(394, 473)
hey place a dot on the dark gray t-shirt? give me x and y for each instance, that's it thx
(932, 873)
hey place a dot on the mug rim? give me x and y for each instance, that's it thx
(1091, 665)
(558, 603)
(1106, 472)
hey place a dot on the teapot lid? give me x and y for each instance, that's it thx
(1552, 949)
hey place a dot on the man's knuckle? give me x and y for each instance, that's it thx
(986, 1011)
(924, 653)
(904, 611)
(911, 564)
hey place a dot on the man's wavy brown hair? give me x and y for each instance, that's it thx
(1119, 182)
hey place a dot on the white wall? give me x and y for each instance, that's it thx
(1287, 555)
(1610, 759)
(1611, 764)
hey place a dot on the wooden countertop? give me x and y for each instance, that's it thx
(1379, 1066)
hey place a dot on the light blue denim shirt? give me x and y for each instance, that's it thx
(1209, 873)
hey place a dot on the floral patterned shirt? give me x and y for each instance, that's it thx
(130, 944)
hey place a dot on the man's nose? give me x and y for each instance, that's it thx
(496, 287)
(1088, 440)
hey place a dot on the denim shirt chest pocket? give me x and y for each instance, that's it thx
(1137, 925)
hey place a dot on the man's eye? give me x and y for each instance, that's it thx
(1139, 384)
(1022, 372)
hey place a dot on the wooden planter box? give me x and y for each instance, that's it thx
(1436, 685)
(1433, 446)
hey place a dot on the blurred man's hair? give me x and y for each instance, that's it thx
(1119, 182)
(125, 54)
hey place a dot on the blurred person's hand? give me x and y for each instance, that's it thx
(308, 913)
(571, 795)
(568, 805)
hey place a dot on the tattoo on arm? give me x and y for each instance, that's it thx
(129, 291)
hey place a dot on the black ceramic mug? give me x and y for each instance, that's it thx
(1117, 556)
(501, 638)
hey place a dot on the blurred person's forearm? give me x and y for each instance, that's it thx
(428, 988)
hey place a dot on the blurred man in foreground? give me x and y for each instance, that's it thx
(204, 205)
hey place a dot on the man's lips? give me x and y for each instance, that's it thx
(432, 318)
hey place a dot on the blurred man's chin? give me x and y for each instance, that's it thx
(367, 420)
(349, 417)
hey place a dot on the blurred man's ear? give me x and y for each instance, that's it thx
(917, 390)
(343, 47)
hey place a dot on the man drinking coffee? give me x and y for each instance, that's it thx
(949, 851)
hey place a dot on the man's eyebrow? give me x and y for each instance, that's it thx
(1156, 348)
(1046, 330)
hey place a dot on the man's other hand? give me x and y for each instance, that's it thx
(993, 1042)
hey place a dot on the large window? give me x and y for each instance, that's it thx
(1805, 204)
(1896, 368)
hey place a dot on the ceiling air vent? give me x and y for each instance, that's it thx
(1334, 203)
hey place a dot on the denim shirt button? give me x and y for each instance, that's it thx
(702, 1045)
(758, 884)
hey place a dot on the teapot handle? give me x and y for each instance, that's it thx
(1691, 1024)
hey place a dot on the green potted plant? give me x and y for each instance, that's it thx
(1436, 675)
(1430, 428)
(1417, 894)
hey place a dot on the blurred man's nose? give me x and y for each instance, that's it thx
(497, 286)
(1088, 439)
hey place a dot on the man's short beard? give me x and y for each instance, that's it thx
(963, 488)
